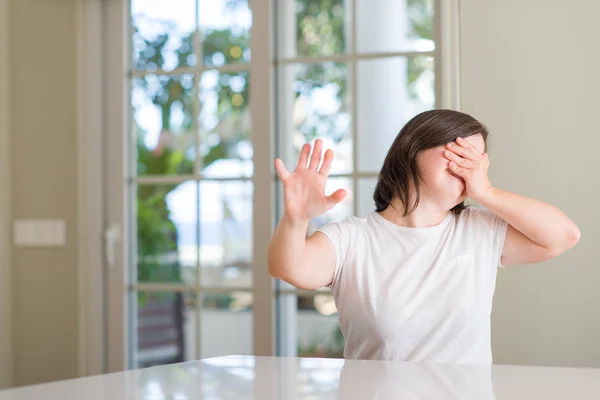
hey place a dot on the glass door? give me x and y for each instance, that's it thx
(202, 95)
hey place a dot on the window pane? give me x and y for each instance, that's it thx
(165, 328)
(319, 334)
(226, 233)
(342, 210)
(316, 322)
(314, 102)
(226, 324)
(394, 25)
(312, 27)
(163, 124)
(167, 233)
(225, 27)
(390, 92)
(225, 144)
(364, 195)
(163, 34)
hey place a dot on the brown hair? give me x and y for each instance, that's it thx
(426, 130)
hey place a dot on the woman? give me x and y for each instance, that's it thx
(414, 280)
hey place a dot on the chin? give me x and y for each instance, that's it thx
(455, 198)
(458, 193)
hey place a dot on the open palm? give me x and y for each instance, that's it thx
(304, 189)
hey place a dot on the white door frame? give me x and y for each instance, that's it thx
(101, 108)
(6, 356)
(116, 154)
(447, 54)
(261, 109)
(90, 188)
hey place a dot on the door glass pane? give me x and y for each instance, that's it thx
(163, 124)
(226, 324)
(390, 91)
(311, 28)
(226, 233)
(167, 233)
(165, 328)
(317, 332)
(314, 102)
(225, 145)
(364, 196)
(394, 26)
(225, 28)
(163, 34)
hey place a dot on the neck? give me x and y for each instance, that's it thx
(424, 216)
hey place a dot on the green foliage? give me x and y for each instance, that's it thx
(420, 18)
(320, 27)
(334, 348)
(217, 301)
(320, 31)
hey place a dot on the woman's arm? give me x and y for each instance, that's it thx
(537, 231)
(305, 263)
(301, 262)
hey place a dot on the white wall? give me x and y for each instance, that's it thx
(531, 72)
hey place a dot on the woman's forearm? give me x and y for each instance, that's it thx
(542, 223)
(286, 250)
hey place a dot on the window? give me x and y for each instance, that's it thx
(191, 185)
(349, 71)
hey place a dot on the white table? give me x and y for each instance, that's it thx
(244, 377)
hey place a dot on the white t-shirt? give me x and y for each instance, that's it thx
(417, 294)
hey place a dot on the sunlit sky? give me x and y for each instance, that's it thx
(211, 13)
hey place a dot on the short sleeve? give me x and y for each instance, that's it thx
(340, 236)
(489, 231)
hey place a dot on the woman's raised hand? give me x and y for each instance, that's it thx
(304, 189)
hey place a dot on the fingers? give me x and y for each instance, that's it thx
(461, 162)
(281, 170)
(468, 145)
(315, 159)
(461, 151)
(326, 163)
(464, 149)
(462, 172)
(303, 159)
(336, 197)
